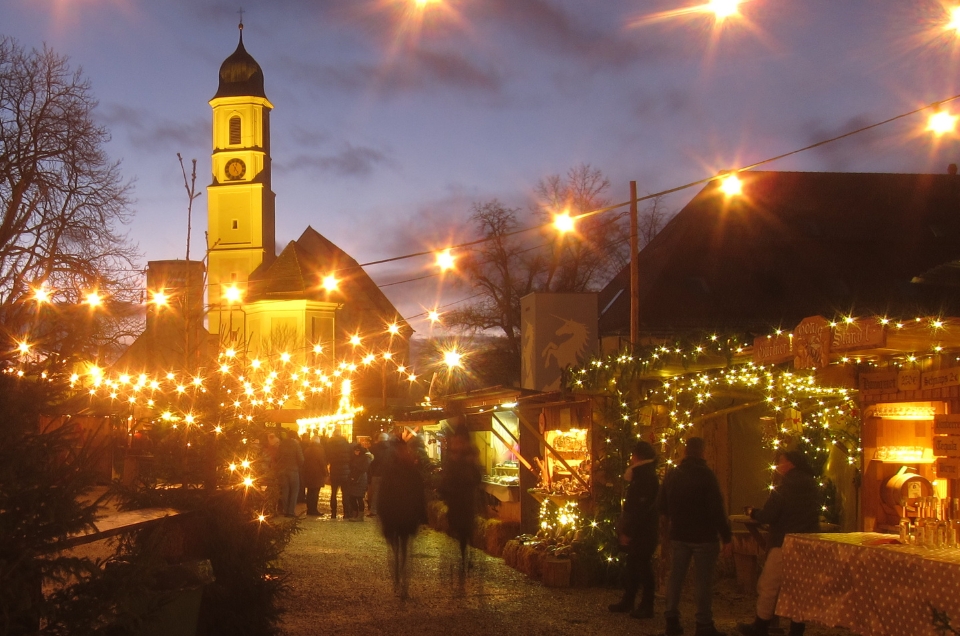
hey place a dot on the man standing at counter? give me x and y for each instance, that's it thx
(692, 504)
(793, 506)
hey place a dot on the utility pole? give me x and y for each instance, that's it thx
(634, 268)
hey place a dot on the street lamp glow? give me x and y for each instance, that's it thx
(93, 299)
(564, 222)
(330, 282)
(355, 340)
(158, 298)
(453, 358)
(433, 315)
(232, 294)
(41, 295)
(445, 260)
(954, 23)
(393, 329)
(731, 185)
(724, 9)
(941, 123)
(23, 348)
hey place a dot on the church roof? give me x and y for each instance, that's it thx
(240, 75)
(298, 270)
(798, 244)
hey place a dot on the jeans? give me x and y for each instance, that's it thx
(289, 490)
(335, 485)
(704, 557)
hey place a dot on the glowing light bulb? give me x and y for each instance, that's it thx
(355, 340)
(954, 23)
(93, 299)
(724, 9)
(941, 123)
(393, 329)
(731, 185)
(330, 282)
(433, 315)
(233, 294)
(564, 223)
(445, 260)
(452, 358)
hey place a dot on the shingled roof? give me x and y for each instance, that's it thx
(299, 269)
(798, 244)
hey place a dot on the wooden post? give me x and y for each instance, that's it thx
(634, 267)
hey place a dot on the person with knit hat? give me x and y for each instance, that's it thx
(793, 506)
(638, 531)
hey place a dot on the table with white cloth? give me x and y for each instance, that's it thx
(852, 580)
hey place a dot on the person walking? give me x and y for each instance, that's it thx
(692, 506)
(289, 462)
(356, 486)
(638, 531)
(379, 451)
(314, 473)
(338, 455)
(401, 509)
(793, 506)
(459, 485)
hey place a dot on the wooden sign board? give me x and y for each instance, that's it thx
(772, 349)
(811, 343)
(946, 424)
(946, 446)
(882, 382)
(940, 379)
(908, 380)
(947, 468)
(868, 334)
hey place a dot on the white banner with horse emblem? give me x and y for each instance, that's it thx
(556, 331)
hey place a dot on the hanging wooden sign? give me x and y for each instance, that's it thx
(908, 380)
(946, 446)
(881, 382)
(811, 343)
(946, 424)
(864, 334)
(947, 468)
(772, 349)
(940, 379)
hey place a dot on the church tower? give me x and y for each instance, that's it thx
(240, 204)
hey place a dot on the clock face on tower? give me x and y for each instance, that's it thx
(235, 169)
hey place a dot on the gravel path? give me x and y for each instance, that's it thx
(340, 584)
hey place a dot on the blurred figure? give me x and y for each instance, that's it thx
(459, 485)
(338, 455)
(314, 473)
(401, 508)
(289, 462)
(356, 486)
(638, 531)
(379, 451)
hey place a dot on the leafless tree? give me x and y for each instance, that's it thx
(62, 201)
(512, 264)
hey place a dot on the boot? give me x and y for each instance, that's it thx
(708, 630)
(674, 628)
(759, 627)
(625, 605)
(796, 629)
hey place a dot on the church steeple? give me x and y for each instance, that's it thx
(240, 205)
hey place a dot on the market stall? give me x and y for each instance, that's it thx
(861, 581)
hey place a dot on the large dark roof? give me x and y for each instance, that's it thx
(240, 75)
(797, 244)
(300, 268)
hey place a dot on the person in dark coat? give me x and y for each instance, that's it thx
(793, 506)
(459, 485)
(692, 504)
(338, 455)
(638, 530)
(379, 451)
(401, 509)
(314, 473)
(289, 461)
(356, 486)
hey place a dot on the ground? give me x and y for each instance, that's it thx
(340, 584)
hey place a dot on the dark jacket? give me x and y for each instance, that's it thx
(379, 451)
(639, 517)
(339, 453)
(690, 498)
(402, 502)
(289, 455)
(793, 506)
(314, 471)
(356, 485)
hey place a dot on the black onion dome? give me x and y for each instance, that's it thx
(240, 75)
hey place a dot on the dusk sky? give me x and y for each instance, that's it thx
(390, 120)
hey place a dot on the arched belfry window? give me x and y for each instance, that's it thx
(234, 131)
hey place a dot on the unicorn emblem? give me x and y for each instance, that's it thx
(568, 352)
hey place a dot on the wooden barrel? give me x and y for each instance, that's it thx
(903, 486)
